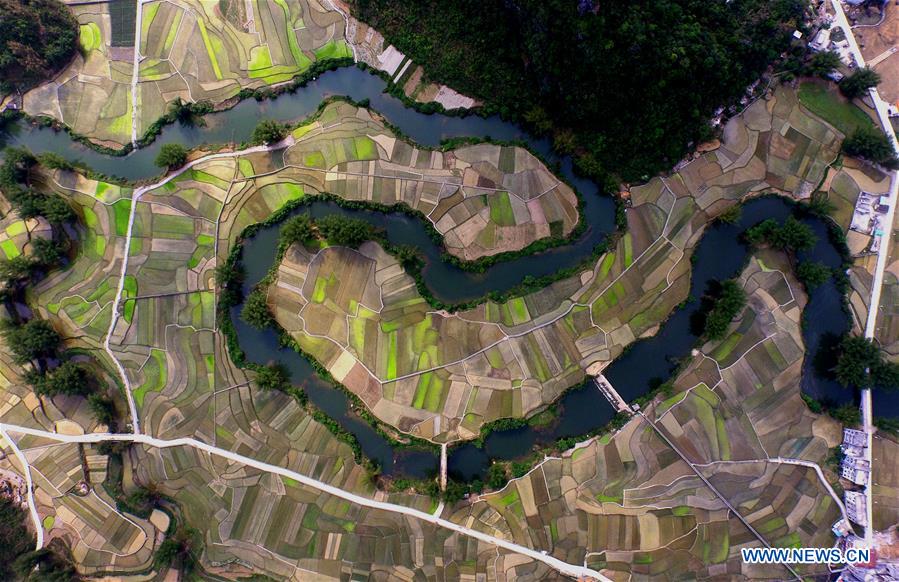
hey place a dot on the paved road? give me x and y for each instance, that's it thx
(555, 563)
(882, 256)
(135, 74)
(883, 56)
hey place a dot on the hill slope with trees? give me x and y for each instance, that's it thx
(625, 85)
(37, 39)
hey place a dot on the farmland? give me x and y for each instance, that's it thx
(622, 502)
(191, 50)
(829, 105)
(168, 338)
(627, 503)
(375, 337)
(442, 376)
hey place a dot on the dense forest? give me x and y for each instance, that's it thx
(37, 39)
(625, 85)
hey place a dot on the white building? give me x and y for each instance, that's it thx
(821, 40)
(857, 507)
(856, 470)
(856, 438)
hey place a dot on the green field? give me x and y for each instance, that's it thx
(828, 105)
(501, 209)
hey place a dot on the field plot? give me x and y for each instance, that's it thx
(862, 273)
(194, 50)
(484, 199)
(885, 477)
(624, 503)
(740, 400)
(79, 299)
(16, 234)
(628, 504)
(825, 101)
(167, 338)
(441, 376)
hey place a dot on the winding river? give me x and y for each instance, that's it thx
(720, 255)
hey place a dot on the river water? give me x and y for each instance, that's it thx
(720, 255)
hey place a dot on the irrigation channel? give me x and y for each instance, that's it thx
(720, 255)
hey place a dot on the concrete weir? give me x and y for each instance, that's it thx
(611, 394)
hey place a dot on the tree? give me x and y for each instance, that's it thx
(255, 310)
(793, 235)
(55, 161)
(297, 229)
(103, 409)
(171, 156)
(17, 164)
(813, 274)
(179, 550)
(144, 499)
(858, 83)
(68, 379)
(732, 215)
(30, 203)
(273, 377)
(873, 145)
(857, 355)
(229, 277)
(16, 269)
(189, 114)
(56, 210)
(861, 364)
(408, 255)
(33, 340)
(729, 303)
(27, 202)
(48, 564)
(269, 131)
(344, 231)
(47, 252)
(37, 39)
(455, 491)
(820, 205)
(497, 476)
(17, 540)
(520, 468)
(558, 65)
(823, 63)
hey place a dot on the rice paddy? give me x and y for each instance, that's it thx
(191, 50)
(623, 502)
(626, 503)
(441, 376)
